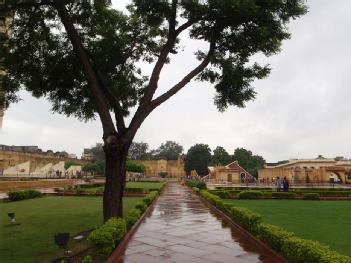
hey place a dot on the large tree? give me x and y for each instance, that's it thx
(169, 150)
(82, 56)
(198, 158)
(138, 151)
(220, 156)
(251, 163)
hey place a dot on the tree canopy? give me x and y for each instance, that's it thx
(198, 158)
(170, 150)
(220, 156)
(138, 151)
(251, 163)
(83, 56)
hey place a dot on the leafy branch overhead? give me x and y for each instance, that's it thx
(42, 59)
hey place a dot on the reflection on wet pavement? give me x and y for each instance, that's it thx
(182, 229)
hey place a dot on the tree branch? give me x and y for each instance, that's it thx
(165, 96)
(143, 112)
(88, 69)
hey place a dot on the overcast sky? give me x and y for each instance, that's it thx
(302, 109)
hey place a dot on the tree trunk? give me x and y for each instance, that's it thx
(115, 173)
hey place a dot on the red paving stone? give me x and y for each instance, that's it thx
(182, 229)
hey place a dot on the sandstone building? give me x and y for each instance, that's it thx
(170, 168)
(231, 173)
(304, 171)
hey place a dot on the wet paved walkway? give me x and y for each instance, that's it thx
(182, 229)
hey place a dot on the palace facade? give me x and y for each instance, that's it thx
(232, 173)
(170, 168)
(305, 171)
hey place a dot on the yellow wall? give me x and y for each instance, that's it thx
(174, 168)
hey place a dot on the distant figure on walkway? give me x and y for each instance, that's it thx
(278, 183)
(285, 185)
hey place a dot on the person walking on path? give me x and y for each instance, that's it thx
(285, 185)
(278, 183)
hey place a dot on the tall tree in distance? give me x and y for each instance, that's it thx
(198, 158)
(251, 163)
(83, 57)
(220, 156)
(169, 150)
(138, 151)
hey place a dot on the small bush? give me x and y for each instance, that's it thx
(141, 206)
(311, 196)
(250, 194)
(196, 183)
(80, 191)
(22, 195)
(106, 237)
(132, 217)
(245, 217)
(284, 195)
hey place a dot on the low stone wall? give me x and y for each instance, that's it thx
(17, 185)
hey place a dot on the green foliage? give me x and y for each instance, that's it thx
(311, 196)
(69, 163)
(24, 194)
(293, 248)
(251, 163)
(283, 195)
(106, 237)
(250, 194)
(138, 151)
(220, 156)
(141, 206)
(170, 150)
(132, 217)
(196, 183)
(134, 190)
(198, 158)
(132, 166)
(87, 259)
(195, 189)
(221, 193)
(97, 167)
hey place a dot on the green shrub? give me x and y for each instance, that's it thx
(132, 217)
(134, 190)
(245, 217)
(141, 206)
(250, 194)
(150, 197)
(92, 185)
(284, 195)
(80, 191)
(311, 196)
(196, 183)
(24, 194)
(106, 237)
(87, 259)
(273, 235)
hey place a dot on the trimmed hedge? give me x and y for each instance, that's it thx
(106, 237)
(293, 248)
(311, 196)
(132, 217)
(196, 183)
(284, 195)
(134, 190)
(250, 194)
(24, 194)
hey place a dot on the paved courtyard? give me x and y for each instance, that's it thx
(182, 229)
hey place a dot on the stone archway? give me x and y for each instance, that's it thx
(336, 177)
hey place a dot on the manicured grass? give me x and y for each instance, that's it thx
(33, 240)
(328, 222)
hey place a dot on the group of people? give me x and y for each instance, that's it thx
(285, 184)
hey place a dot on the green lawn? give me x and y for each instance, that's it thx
(33, 241)
(328, 222)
